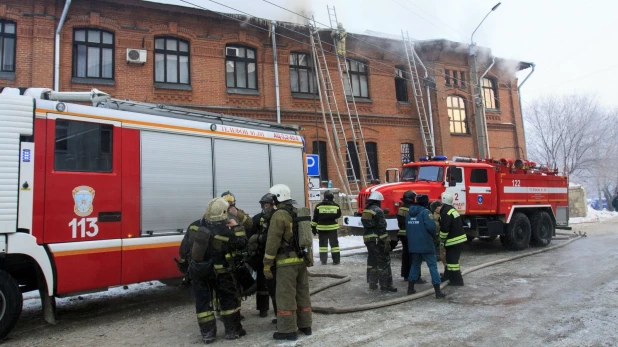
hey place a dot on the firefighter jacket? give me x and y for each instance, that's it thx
(421, 230)
(325, 215)
(187, 241)
(374, 223)
(280, 249)
(222, 246)
(401, 219)
(451, 226)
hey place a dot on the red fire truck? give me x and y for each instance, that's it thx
(518, 201)
(93, 197)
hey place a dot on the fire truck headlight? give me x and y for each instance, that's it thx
(60, 107)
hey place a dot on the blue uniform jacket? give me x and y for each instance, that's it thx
(420, 230)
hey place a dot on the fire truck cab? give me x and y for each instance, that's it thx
(518, 201)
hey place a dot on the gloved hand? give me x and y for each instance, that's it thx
(386, 210)
(267, 273)
(314, 230)
(182, 265)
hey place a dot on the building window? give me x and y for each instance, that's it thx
(456, 108)
(93, 54)
(455, 79)
(352, 150)
(7, 46)
(407, 153)
(83, 146)
(319, 148)
(372, 155)
(401, 87)
(490, 94)
(462, 79)
(358, 75)
(478, 176)
(301, 73)
(447, 77)
(172, 60)
(240, 67)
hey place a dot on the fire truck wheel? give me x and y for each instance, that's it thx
(518, 232)
(542, 229)
(10, 303)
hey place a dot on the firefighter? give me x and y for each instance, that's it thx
(324, 223)
(292, 294)
(407, 200)
(452, 235)
(378, 245)
(241, 217)
(257, 244)
(212, 271)
(339, 36)
(421, 231)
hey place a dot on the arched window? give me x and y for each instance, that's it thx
(7, 46)
(93, 54)
(456, 106)
(490, 94)
(172, 60)
(240, 67)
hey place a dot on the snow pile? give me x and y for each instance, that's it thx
(593, 216)
(344, 242)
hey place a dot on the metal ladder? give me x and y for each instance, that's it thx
(417, 88)
(356, 130)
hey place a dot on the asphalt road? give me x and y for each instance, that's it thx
(564, 297)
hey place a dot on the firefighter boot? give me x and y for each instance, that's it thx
(208, 331)
(439, 293)
(285, 336)
(306, 331)
(388, 288)
(411, 289)
(336, 257)
(456, 279)
(232, 325)
(373, 286)
(323, 257)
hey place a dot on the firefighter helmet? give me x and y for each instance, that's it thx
(376, 196)
(229, 197)
(328, 196)
(281, 192)
(447, 198)
(217, 210)
(434, 205)
(408, 197)
(268, 198)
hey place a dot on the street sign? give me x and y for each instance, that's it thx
(313, 165)
(314, 195)
(314, 183)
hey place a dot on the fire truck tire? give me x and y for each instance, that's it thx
(10, 303)
(542, 229)
(518, 232)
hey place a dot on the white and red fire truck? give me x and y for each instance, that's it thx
(518, 201)
(93, 197)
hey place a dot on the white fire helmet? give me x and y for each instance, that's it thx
(281, 192)
(217, 210)
(447, 198)
(377, 196)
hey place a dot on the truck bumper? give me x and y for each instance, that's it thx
(355, 222)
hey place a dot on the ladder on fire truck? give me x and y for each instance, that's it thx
(417, 90)
(343, 158)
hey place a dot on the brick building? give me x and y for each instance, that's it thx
(186, 64)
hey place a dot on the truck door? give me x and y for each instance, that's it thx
(83, 201)
(458, 190)
(480, 193)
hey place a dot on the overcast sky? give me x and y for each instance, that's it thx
(573, 43)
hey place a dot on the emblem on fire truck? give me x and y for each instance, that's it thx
(83, 197)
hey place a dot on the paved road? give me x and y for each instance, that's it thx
(565, 297)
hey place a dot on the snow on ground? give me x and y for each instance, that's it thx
(593, 216)
(344, 242)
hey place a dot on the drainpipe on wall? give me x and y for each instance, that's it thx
(484, 115)
(273, 24)
(521, 111)
(67, 4)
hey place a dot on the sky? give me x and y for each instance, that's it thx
(571, 42)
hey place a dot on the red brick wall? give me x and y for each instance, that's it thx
(135, 24)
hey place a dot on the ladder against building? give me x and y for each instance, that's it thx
(417, 91)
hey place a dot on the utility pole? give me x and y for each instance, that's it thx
(478, 101)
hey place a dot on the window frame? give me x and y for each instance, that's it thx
(101, 128)
(100, 46)
(447, 77)
(3, 36)
(372, 157)
(247, 61)
(410, 150)
(450, 112)
(475, 178)
(359, 74)
(492, 89)
(319, 148)
(400, 78)
(310, 74)
(352, 148)
(178, 53)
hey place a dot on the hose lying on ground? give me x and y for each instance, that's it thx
(424, 293)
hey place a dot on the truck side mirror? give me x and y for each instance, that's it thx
(452, 181)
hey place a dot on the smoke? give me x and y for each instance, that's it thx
(302, 7)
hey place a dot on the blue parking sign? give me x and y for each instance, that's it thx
(313, 165)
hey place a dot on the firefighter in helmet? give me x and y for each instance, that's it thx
(339, 36)
(452, 236)
(212, 271)
(241, 217)
(378, 245)
(293, 301)
(324, 223)
(407, 200)
(257, 244)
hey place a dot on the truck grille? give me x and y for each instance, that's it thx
(362, 200)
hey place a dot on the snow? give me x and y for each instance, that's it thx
(344, 242)
(593, 216)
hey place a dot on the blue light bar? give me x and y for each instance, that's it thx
(440, 158)
(423, 159)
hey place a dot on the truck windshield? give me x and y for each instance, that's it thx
(430, 173)
(408, 174)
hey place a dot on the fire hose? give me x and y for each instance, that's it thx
(363, 307)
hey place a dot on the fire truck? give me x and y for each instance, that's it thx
(516, 200)
(93, 197)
